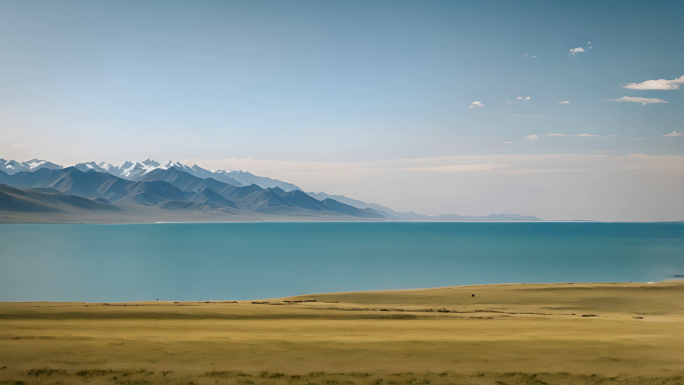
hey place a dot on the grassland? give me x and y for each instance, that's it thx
(627, 333)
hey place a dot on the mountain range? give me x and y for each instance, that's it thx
(147, 191)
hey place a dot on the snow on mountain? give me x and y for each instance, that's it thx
(13, 167)
(102, 167)
(130, 170)
(106, 166)
(133, 170)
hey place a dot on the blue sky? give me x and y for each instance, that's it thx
(340, 82)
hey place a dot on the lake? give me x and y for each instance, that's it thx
(237, 261)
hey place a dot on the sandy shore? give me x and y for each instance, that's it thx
(623, 333)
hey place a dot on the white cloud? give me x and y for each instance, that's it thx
(643, 101)
(526, 98)
(576, 50)
(595, 136)
(511, 142)
(534, 56)
(531, 137)
(525, 54)
(476, 104)
(660, 84)
(673, 133)
(18, 150)
(17, 147)
(519, 97)
(588, 42)
(509, 102)
(564, 102)
(583, 135)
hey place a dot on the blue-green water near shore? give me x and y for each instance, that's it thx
(223, 261)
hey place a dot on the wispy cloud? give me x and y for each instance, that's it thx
(525, 54)
(513, 163)
(509, 142)
(564, 102)
(583, 135)
(531, 137)
(476, 104)
(673, 133)
(633, 99)
(16, 147)
(574, 51)
(521, 98)
(660, 84)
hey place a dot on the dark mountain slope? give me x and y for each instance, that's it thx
(14, 199)
(85, 184)
(115, 189)
(150, 193)
(182, 180)
(261, 199)
(207, 196)
(174, 189)
(300, 199)
(238, 193)
(43, 177)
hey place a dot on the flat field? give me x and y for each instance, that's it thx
(608, 333)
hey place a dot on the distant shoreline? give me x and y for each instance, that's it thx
(520, 285)
(76, 222)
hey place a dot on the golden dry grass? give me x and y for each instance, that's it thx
(506, 334)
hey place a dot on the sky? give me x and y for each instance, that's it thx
(559, 109)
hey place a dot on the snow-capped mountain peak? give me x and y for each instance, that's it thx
(170, 164)
(34, 163)
(13, 167)
(130, 170)
(106, 166)
(149, 162)
(133, 170)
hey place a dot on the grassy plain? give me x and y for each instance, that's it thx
(625, 333)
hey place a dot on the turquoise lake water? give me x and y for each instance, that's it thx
(225, 261)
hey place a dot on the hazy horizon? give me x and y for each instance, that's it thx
(561, 110)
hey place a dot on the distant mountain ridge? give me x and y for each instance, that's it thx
(12, 166)
(194, 192)
(174, 189)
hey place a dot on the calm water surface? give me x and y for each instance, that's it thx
(261, 260)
